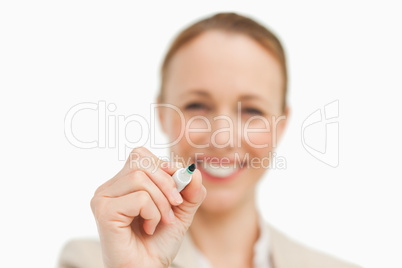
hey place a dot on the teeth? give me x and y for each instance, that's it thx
(218, 170)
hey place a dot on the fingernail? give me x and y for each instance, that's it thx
(177, 196)
(171, 216)
(151, 232)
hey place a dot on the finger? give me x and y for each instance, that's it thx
(131, 164)
(134, 160)
(166, 184)
(106, 184)
(193, 195)
(142, 159)
(194, 192)
(139, 181)
(126, 208)
(137, 156)
(170, 167)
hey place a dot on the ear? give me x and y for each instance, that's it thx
(161, 115)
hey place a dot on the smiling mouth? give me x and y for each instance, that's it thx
(219, 171)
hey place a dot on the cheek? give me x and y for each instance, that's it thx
(175, 128)
(197, 131)
(257, 137)
(174, 125)
(192, 132)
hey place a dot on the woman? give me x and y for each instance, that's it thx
(226, 76)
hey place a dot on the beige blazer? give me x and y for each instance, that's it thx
(285, 253)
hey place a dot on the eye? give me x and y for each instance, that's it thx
(252, 111)
(196, 106)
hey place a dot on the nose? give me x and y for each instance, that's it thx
(224, 131)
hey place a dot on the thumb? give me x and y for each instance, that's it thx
(193, 195)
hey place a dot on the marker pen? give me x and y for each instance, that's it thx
(182, 177)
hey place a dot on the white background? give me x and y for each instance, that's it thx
(56, 54)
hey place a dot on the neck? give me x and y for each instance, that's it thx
(227, 238)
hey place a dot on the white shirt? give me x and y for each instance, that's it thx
(261, 250)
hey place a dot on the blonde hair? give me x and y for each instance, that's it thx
(232, 23)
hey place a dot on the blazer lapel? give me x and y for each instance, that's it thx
(185, 258)
(279, 252)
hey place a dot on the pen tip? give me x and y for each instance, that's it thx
(191, 167)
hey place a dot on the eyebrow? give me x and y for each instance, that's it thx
(199, 92)
(204, 93)
(250, 97)
(246, 97)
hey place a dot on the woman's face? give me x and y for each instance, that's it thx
(228, 93)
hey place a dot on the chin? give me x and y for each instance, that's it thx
(221, 201)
